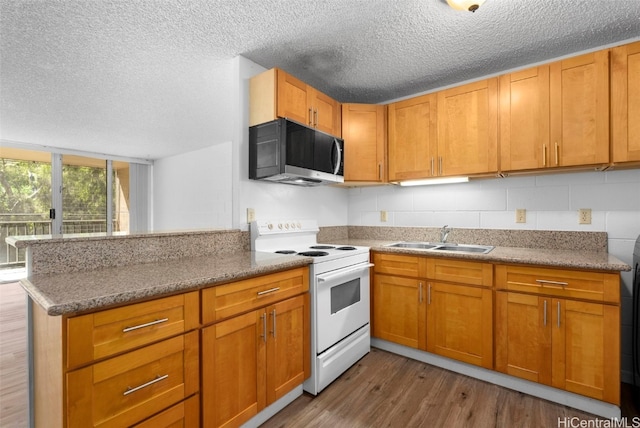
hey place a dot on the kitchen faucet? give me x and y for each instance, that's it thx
(444, 233)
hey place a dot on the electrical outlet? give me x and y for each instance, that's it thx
(251, 215)
(521, 215)
(383, 215)
(584, 216)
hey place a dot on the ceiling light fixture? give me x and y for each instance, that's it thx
(470, 5)
(429, 181)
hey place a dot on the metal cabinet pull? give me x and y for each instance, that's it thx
(420, 293)
(544, 317)
(557, 153)
(440, 165)
(271, 290)
(558, 314)
(380, 171)
(429, 294)
(544, 155)
(148, 324)
(544, 281)
(315, 113)
(273, 314)
(432, 165)
(310, 117)
(144, 385)
(264, 326)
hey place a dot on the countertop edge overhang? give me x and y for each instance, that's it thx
(570, 259)
(92, 290)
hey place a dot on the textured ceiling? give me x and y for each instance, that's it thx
(140, 78)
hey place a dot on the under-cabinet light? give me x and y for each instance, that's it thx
(470, 5)
(430, 181)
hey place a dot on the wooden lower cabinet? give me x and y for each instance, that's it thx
(253, 359)
(185, 414)
(568, 344)
(460, 323)
(399, 310)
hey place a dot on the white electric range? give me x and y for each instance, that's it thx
(339, 289)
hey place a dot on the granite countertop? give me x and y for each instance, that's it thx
(70, 293)
(572, 259)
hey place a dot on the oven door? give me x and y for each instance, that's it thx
(342, 304)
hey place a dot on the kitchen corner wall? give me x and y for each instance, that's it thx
(552, 203)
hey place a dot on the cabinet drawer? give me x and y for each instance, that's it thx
(102, 334)
(126, 389)
(183, 414)
(596, 286)
(232, 299)
(460, 271)
(400, 265)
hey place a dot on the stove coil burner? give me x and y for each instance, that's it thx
(322, 247)
(313, 253)
(285, 252)
(346, 248)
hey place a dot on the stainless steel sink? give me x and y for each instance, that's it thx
(429, 246)
(481, 249)
(415, 245)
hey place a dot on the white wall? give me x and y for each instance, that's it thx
(210, 188)
(193, 190)
(551, 201)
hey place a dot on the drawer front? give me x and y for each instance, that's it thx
(183, 415)
(596, 286)
(127, 389)
(103, 334)
(460, 271)
(400, 265)
(232, 299)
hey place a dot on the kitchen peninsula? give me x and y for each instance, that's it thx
(78, 279)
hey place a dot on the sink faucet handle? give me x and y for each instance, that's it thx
(444, 233)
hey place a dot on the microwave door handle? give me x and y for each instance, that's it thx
(337, 146)
(323, 278)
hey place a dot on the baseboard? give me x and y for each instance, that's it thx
(274, 408)
(586, 404)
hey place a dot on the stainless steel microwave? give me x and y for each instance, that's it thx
(287, 152)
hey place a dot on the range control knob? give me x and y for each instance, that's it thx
(279, 225)
(286, 226)
(299, 225)
(270, 226)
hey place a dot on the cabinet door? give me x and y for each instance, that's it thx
(292, 101)
(468, 129)
(586, 349)
(288, 346)
(625, 102)
(580, 110)
(460, 323)
(183, 415)
(412, 138)
(364, 133)
(326, 115)
(399, 311)
(523, 336)
(233, 370)
(524, 119)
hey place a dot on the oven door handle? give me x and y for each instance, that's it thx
(325, 278)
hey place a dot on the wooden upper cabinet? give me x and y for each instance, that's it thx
(625, 102)
(412, 138)
(524, 119)
(579, 89)
(556, 115)
(364, 134)
(275, 93)
(468, 129)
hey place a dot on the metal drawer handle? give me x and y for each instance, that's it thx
(545, 313)
(149, 324)
(273, 314)
(544, 281)
(271, 290)
(144, 385)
